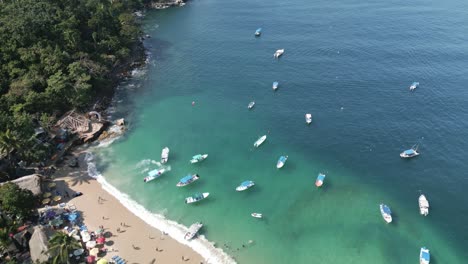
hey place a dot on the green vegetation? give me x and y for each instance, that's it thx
(55, 56)
(15, 201)
(60, 246)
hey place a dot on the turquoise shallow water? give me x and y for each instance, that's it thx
(350, 64)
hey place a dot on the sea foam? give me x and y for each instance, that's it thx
(175, 230)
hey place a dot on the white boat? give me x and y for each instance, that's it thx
(199, 157)
(414, 86)
(308, 118)
(410, 153)
(188, 180)
(164, 155)
(257, 215)
(423, 205)
(251, 105)
(275, 86)
(154, 174)
(281, 161)
(258, 32)
(386, 213)
(260, 141)
(193, 230)
(278, 53)
(196, 197)
(244, 186)
(424, 256)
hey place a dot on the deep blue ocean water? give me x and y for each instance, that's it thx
(349, 63)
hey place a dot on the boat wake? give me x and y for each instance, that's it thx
(175, 230)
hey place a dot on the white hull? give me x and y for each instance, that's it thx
(193, 231)
(278, 53)
(190, 200)
(423, 205)
(257, 215)
(387, 217)
(251, 105)
(260, 141)
(241, 188)
(196, 160)
(279, 165)
(154, 175)
(308, 118)
(165, 155)
(421, 258)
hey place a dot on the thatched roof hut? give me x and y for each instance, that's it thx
(31, 182)
(38, 245)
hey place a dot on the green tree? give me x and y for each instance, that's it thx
(61, 246)
(16, 201)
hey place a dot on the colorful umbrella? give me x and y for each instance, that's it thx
(90, 259)
(78, 252)
(94, 252)
(90, 244)
(99, 231)
(46, 201)
(102, 261)
(57, 198)
(47, 195)
(101, 240)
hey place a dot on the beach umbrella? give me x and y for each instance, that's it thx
(47, 195)
(99, 231)
(101, 240)
(57, 198)
(90, 259)
(51, 185)
(46, 201)
(78, 252)
(72, 217)
(102, 261)
(90, 244)
(94, 252)
(50, 214)
(85, 236)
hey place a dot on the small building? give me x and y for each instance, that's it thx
(31, 182)
(38, 245)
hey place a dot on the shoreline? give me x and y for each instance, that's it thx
(150, 237)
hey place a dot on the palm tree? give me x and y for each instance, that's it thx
(60, 246)
(8, 143)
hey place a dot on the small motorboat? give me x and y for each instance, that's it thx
(319, 180)
(258, 32)
(423, 205)
(278, 53)
(193, 230)
(154, 174)
(257, 215)
(410, 153)
(244, 186)
(188, 180)
(424, 256)
(281, 162)
(251, 105)
(196, 197)
(275, 86)
(164, 155)
(259, 141)
(386, 213)
(199, 157)
(414, 86)
(308, 118)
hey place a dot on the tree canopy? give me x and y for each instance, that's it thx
(56, 55)
(16, 201)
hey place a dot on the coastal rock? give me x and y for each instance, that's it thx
(120, 122)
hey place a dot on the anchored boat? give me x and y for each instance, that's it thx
(275, 86)
(199, 157)
(188, 180)
(278, 53)
(196, 197)
(320, 179)
(257, 215)
(258, 32)
(414, 86)
(386, 213)
(259, 141)
(423, 205)
(410, 153)
(308, 118)
(424, 256)
(244, 186)
(164, 155)
(281, 162)
(251, 105)
(154, 174)
(193, 230)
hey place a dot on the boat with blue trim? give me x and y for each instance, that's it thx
(188, 180)
(199, 157)
(244, 186)
(281, 161)
(154, 174)
(258, 32)
(259, 141)
(196, 197)
(275, 86)
(320, 179)
(414, 86)
(410, 153)
(386, 213)
(424, 256)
